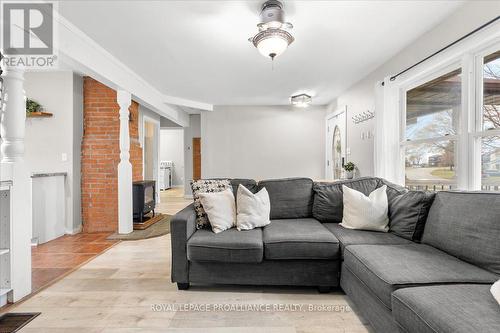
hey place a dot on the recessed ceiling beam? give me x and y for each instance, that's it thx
(189, 103)
(84, 55)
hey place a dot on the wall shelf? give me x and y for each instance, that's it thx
(39, 115)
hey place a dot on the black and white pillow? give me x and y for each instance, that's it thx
(206, 186)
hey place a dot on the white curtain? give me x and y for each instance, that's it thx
(388, 162)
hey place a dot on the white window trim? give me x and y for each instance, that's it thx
(445, 68)
(469, 56)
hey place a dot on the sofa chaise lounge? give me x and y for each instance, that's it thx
(430, 273)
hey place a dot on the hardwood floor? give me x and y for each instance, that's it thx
(52, 260)
(127, 289)
(172, 201)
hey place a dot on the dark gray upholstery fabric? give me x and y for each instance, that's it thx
(385, 268)
(328, 197)
(268, 272)
(290, 198)
(182, 226)
(466, 225)
(447, 309)
(393, 190)
(299, 239)
(359, 237)
(250, 184)
(408, 213)
(328, 203)
(379, 315)
(228, 246)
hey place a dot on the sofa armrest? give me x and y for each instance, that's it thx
(182, 226)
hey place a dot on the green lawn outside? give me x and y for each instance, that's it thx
(444, 173)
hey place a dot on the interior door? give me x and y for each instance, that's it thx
(336, 145)
(196, 158)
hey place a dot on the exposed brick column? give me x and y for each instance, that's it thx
(101, 155)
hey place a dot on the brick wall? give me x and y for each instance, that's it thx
(101, 155)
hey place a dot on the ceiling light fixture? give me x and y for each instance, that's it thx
(273, 37)
(301, 101)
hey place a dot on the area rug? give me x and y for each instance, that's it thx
(13, 322)
(156, 230)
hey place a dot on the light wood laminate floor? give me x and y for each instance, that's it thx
(172, 201)
(127, 289)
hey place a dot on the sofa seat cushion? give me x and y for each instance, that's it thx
(299, 239)
(230, 246)
(359, 237)
(446, 308)
(386, 268)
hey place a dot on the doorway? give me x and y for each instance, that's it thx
(336, 145)
(150, 151)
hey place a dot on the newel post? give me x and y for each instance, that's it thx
(13, 168)
(125, 209)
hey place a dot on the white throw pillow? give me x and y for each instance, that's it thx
(253, 210)
(365, 213)
(220, 209)
(495, 291)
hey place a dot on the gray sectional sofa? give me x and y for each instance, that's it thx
(430, 273)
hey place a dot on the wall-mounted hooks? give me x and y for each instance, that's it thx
(364, 116)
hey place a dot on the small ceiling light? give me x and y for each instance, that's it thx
(273, 38)
(301, 101)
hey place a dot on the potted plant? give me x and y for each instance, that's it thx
(35, 109)
(32, 106)
(349, 168)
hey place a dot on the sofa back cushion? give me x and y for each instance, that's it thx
(328, 203)
(408, 213)
(250, 184)
(466, 225)
(290, 198)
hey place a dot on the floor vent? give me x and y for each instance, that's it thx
(13, 322)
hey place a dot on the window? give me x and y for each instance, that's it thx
(490, 124)
(432, 119)
(450, 120)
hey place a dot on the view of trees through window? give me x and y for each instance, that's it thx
(490, 144)
(432, 111)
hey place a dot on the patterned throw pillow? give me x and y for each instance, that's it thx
(206, 186)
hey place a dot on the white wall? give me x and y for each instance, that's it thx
(360, 97)
(172, 149)
(47, 139)
(193, 131)
(263, 142)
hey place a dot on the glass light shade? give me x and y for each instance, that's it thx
(301, 101)
(272, 45)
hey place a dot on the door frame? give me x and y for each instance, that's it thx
(328, 117)
(156, 154)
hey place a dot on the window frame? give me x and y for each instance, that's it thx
(469, 131)
(478, 133)
(443, 69)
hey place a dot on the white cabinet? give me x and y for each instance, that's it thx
(5, 244)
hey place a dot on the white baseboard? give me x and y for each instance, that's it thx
(74, 231)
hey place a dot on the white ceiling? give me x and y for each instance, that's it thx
(198, 50)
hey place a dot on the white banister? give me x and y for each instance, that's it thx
(13, 169)
(125, 209)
